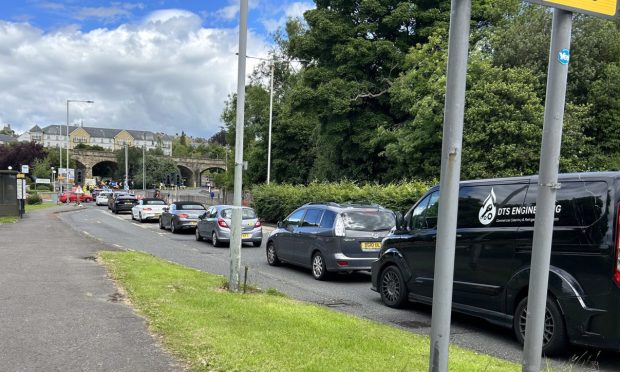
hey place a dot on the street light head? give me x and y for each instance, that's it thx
(90, 101)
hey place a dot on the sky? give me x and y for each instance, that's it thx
(161, 65)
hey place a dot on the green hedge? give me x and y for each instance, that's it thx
(34, 198)
(274, 202)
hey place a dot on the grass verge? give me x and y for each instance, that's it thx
(212, 329)
(34, 207)
(8, 219)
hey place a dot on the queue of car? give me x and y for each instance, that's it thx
(493, 250)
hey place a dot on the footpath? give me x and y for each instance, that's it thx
(58, 309)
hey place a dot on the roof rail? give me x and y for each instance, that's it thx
(333, 204)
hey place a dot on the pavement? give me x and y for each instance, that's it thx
(59, 311)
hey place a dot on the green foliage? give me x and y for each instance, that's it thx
(83, 146)
(274, 202)
(156, 170)
(34, 198)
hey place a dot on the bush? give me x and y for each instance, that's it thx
(44, 187)
(34, 198)
(274, 202)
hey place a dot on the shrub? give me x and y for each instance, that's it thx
(274, 202)
(34, 198)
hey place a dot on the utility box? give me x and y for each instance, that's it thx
(9, 205)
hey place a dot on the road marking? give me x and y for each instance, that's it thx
(117, 246)
(86, 233)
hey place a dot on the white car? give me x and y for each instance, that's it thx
(102, 198)
(148, 209)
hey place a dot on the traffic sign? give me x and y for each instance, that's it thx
(25, 169)
(21, 176)
(599, 8)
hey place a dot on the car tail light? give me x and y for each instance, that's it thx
(339, 227)
(257, 224)
(148, 209)
(342, 263)
(183, 215)
(222, 223)
(617, 265)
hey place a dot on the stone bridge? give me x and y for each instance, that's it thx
(190, 168)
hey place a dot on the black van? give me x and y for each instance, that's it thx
(493, 252)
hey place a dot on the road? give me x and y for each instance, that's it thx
(347, 293)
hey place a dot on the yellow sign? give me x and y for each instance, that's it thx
(20, 175)
(603, 8)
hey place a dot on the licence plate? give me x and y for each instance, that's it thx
(192, 222)
(246, 236)
(371, 245)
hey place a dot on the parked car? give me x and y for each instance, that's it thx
(215, 226)
(124, 203)
(494, 249)
(148, 209)
(102, 198)
(84, 197)
(181, 215)
(330, 237)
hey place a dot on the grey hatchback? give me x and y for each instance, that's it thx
(330, 237)
(215, 225)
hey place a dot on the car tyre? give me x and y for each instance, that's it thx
(161, 224)
(173, 228)
(198, 236)
(554, 334)
(214, 240)
(319, 270)
(140, 217)
(257, 244)
(392, 287)
(272, 256)
(132, 217)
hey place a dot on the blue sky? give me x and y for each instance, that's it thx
(162, 65)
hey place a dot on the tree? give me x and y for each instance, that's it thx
(20, 153)
(157, 168)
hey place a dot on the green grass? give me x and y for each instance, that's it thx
(34, 207)
(7, 219)
(212, 329)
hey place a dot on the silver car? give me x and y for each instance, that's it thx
(215, 226)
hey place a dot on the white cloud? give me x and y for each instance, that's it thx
(290, 10)
(296, 10)
(166, 74)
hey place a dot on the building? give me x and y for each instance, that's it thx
(109, 139)
(5, 139)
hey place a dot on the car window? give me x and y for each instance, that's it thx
(424, 216)
(191, 207)
(294, 218)
(328, 219)
(312, 217)
(153, 202)
(248, 213)
(368, 220)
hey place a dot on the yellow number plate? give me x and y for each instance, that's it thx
(246, 236)
(371, 245)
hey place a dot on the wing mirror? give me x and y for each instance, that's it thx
(166, 209)
(280, 224)
(400, 221)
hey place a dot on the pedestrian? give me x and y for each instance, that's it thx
(157, 194)
(212, 194)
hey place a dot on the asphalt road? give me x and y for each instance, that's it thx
(347, 293)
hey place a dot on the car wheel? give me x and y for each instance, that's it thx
(319, 271)
(392, 287)
(161, 224)
(132, 217)
(554, 334)
(272, 256)
(198, 236)
(173, 228)
(140, 217)
(257, 244)
(214, 240)
(115, 211)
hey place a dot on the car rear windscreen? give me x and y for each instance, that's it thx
(248, 213)
(369, 220)
(154, 202)
(190, 207)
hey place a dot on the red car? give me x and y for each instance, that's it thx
(73, 197)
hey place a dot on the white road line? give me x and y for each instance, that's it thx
(117, 246)
(86, 233)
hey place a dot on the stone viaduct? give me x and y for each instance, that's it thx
(190, 168)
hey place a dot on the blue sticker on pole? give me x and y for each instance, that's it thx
(564, 56)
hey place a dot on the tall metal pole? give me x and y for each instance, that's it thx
(68, 148)
(235, 241)
(126, 168)
(449, 183)
(270, 122)
(60, 148)
(548, 185)
(144, 169)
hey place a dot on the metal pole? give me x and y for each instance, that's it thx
(235, 241)
(270, 122)
(547, 188)
(60, 148)
(449, 183)
(126, 186)
(68, 148)
(144, 169)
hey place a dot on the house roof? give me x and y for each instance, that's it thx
(6, 138)
(105, 132)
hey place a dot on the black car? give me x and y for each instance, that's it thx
(124, 203)
(181, 215)
(493, 253)
(330, 237)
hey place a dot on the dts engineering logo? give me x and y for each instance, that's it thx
(488, 211)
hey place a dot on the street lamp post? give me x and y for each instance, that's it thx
(69, 101)
(144, 169)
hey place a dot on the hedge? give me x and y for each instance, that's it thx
(274, 202)
(34, 198)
